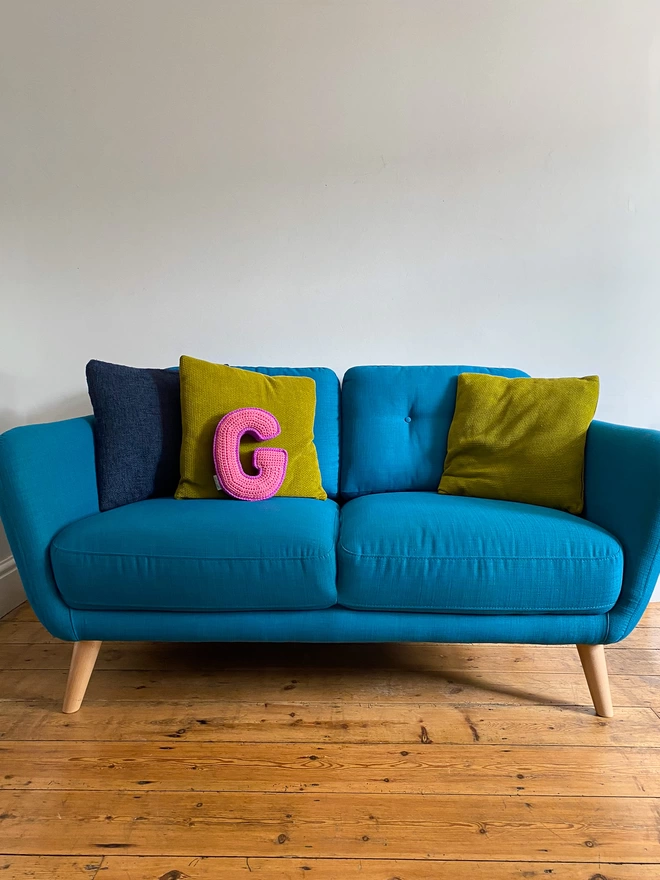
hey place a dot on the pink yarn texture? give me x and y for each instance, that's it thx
(270, 464)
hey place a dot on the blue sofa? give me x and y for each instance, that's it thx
(384, 559)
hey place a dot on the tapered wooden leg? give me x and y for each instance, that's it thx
(593, 662)
(82, 664)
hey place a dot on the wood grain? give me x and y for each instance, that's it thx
(422, 769)
(205, 868)
(344, 825)
(334, 685)
(62, 868)
(154, 656)
(651, 616)
(22, 612)
(83, 658)
(198, 721)
(150, 656)
(378, 762)
(595, 671)
(25, 633)
(641, 637)
(119, 868)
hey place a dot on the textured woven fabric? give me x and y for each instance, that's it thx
(520, 439)
(340, 625)
(420, 551)
(203, 556)
(210, 391)
(269, 464)
(47, 481)
(326, 420)
(394, 426)
(137, 432)
(622, 481)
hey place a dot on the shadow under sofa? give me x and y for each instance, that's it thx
(384, 559)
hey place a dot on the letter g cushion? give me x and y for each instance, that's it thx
(211, 391)
(270, 464)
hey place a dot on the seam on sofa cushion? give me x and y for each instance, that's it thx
(199, 609)
(596, 609)
(195, 558)
(507, 558)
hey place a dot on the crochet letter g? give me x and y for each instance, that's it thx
(269, 463)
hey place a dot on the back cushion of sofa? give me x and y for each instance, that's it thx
(326, 421)
(395, 422)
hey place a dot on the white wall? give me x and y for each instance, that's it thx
(357, 181)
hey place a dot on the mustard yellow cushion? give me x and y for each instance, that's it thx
(210, 391)
(520, 439)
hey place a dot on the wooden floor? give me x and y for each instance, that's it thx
(394, 762)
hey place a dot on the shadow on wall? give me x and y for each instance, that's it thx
(68, 408)
(13, 414)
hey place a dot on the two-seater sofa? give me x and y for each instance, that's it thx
(384, 559)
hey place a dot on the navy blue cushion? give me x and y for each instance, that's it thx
(204, 555)
(420, 551)
(137, 432)
(137, 429)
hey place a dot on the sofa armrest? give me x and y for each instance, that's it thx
(622, 494)
(47, 480)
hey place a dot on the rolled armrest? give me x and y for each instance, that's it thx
(47, 480)
(622, 494)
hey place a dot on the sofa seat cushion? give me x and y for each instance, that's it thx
(201, 555)
(419, 551)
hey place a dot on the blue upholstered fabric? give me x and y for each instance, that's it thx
(326, 421)
(339, 625)
(622, 494)
(395, 422)
(205, 555)
(137, 432)
(47, 480)
(420, 551)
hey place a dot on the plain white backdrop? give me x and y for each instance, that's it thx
(339, 182)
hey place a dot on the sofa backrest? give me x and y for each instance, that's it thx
(395, 422)
(326, 422)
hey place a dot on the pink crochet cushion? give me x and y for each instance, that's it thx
(269, 463)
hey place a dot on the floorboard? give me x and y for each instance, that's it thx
(346, 825)
(357, 762)
(214, 658)
(208, 868)
(334, 685)
(430, 768)
(324, 722)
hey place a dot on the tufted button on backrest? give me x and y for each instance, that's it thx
(395, 422)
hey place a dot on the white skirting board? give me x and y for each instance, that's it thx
(11, 588)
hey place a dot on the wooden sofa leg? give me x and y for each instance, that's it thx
(82, 665)
(593, 662)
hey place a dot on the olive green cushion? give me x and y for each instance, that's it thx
(210, 391)
(520, 439)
